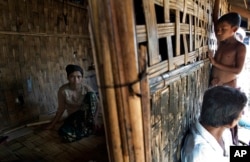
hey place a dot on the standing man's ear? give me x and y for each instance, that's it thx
(233, 124)
(235, 28)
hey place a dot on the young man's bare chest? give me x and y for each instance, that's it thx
(226, 54)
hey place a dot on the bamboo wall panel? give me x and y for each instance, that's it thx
(38, 38)
(177, 35)
(174, 109)
(181, 29)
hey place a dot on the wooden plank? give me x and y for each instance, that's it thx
(152, 34)
(171, 65)
(243, 12)
(184, 11)
(191, 34)
(166, 10)
(185, 49)
(38, 123)
(184, 35)
(145, 97)
(248, 24)
(40, 34)
(174, 75)
(177, 33)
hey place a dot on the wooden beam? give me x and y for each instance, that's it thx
(245, 3)
(248, 24)
(243, 12)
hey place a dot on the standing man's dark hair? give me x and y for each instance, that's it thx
(232, 18)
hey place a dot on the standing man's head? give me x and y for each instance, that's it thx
(222, 106)
(227, 25)
(74, 74)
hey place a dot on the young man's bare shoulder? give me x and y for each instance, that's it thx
(240, 46)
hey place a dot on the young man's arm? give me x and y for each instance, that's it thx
(216, 11)
(240, 59)
(60, 110)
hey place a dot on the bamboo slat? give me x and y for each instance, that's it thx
(177, 33)
(151, 26)
(145, 93)
(166, 11)
(171, 64)
(43, 34)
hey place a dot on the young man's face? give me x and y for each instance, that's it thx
(224, 30)
(75, 78)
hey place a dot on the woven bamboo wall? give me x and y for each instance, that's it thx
(174, 108)
(177, 35)
(38, 38)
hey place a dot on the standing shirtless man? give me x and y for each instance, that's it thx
(230, 56)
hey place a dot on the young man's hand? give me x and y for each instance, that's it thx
(211, 58)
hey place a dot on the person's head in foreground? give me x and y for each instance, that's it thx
(209, 139)
(227, 25)
(222, 106)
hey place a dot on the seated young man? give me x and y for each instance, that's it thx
(209, 138)
(80, 102)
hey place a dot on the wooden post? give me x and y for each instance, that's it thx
(248, 24)
(115, 54)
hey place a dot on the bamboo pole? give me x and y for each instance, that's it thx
(14, 129)
(245, 3)
(43, 34)
(38, 123)
(103, 63)
(145, 92)
(115, 55)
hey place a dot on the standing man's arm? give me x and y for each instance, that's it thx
(216, 11)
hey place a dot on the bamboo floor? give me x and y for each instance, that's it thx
(39, 145)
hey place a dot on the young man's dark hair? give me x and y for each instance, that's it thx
(231, 18)
(221, 106)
